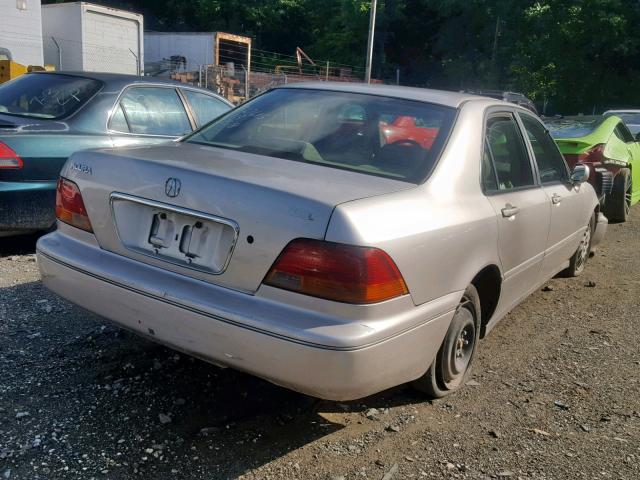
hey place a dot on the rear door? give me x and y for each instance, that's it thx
(521, 206)
(564, 198)
(149, 114)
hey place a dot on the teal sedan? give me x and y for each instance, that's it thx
(47, 116)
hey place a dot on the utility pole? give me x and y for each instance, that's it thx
(372, 28)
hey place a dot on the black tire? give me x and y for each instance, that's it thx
(578, 260)
(618, 202)
(452, 365)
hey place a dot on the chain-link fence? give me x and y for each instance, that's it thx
(238, 84)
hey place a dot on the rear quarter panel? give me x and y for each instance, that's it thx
(44, 154)
(440, 233)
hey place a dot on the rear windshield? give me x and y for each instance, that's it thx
(376, 135)
(629, 118)
(573, 127)
(46, 95)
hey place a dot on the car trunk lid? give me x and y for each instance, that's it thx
(218, 215)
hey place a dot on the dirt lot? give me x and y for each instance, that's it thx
(555, 395)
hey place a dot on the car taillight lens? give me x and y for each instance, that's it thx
(69, 205)
(593, 155)
(9, 158)
(343, 273)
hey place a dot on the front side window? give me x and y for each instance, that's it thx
(551, 164)
(46, 95)
(205, 107)
(154, 111)
(507, 150)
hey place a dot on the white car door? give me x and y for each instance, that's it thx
(521, 206)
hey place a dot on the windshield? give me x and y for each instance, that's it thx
(376, 135)
(48, 95)
(573, 127)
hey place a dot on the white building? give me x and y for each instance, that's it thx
(197, 48)
(191, 50)
(21, 31)
(81, 36)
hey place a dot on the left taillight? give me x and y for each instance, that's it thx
(9, 158)
(70, 206)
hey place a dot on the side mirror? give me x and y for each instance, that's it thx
(637, 138)
(580, 174)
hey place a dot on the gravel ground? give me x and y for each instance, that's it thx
(555, 395)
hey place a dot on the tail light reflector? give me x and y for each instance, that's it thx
(69, 205)
(343, 273)
(9, 158)
(593, 155)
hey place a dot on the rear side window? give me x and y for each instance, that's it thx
(119, 121)
(551, 164)
(154, 111)
(507, 150)
(205, 107)
(623, 133)
(375, 135)
(489, 179)
(46, 95)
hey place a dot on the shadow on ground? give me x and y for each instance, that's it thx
(18, 245)
(122, 398)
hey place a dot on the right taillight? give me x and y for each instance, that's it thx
(338, 272)
(70, 206)
(593, 155)
(9, 158)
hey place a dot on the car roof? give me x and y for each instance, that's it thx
(621, 110)
(119, 81)
(441, 97)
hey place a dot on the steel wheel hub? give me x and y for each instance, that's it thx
(584, 248)
(459, 349)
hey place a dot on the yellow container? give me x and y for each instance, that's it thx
(10, 69)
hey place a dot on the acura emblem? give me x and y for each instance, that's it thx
(172, 187)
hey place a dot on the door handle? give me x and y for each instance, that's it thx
(509, 210)
(556, 199)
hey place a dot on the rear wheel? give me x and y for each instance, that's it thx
(578, 261)
(618, 202)
(452, 364)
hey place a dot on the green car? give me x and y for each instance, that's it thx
(47, 116)
(613, 153)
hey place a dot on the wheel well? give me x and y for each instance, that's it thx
(488, 283)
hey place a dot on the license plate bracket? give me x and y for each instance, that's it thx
(173, 234)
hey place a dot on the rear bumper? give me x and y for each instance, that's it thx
(242, 331)
(600, 231)
(26, 206)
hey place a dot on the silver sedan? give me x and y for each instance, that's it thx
(334, 239)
